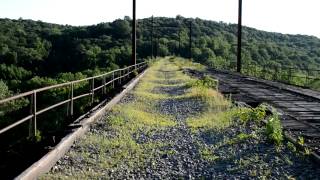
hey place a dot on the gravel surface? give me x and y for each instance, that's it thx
(182, 153)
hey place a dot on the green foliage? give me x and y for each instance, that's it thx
(204, 82)
(38, 82)
(4, 90)
(135, 73)
(300, 141)
(291, 147)
(240, 138)
(274, 129)
(207, 154)
(34, 48)
(251, 114)
(36, 138)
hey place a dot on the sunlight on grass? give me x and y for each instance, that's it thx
(130, 120)
(211, 120)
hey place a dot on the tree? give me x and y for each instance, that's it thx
(121, 28)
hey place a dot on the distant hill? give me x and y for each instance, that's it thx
(34, 53)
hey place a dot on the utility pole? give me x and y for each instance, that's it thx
(157, 50)
(152, 54)
(134, 34)
(190, 39)
(239, 37)
(179, 43)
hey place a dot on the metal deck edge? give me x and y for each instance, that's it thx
(287, 87)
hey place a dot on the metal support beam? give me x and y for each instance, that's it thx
(134, 33)
(239, 37)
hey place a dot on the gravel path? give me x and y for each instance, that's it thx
(175, 151)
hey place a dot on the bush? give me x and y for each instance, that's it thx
(251, 114)
(274, 129)
(135, 73)
(205, 82)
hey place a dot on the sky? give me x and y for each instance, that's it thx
(285, 16)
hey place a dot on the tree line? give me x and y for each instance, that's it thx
(34, 53)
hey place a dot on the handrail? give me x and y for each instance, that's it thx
(279, 72)
(283, 67)
(116, 75)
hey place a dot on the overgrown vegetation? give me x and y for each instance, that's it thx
(217, 117)
(204, 82)
(133, 137)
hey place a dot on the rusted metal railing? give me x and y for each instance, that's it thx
(286, 74)
(117, 75)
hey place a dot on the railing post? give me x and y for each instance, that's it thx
(120, 76)
(264, 72)
(71, 102)
(104, 85)
(307, 77)
(113, 79)
(92, 91)
(255, 71)
(130, 71)
(33, 110)
(275, 75)
(126, 73)
(290, 75)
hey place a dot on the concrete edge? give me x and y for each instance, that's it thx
(48, 161)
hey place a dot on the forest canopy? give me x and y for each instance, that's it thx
(35, 53)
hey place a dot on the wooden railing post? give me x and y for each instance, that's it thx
(33, 111)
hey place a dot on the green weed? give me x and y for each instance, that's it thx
(207, 154)
(251, 114)
(205, 82)
(274, 129)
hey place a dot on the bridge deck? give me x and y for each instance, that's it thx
(168, 129)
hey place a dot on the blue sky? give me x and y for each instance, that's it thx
(286, 16)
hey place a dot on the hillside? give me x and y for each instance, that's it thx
(34, 53)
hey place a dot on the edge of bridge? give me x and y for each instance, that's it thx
(47, 162)
(293, 89)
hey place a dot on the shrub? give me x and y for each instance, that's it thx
(274, 129)
(135, 73)
(205, 82)
(251, 114)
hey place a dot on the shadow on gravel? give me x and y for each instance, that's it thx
(181, 108)
(171, 90)
(169, 82)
